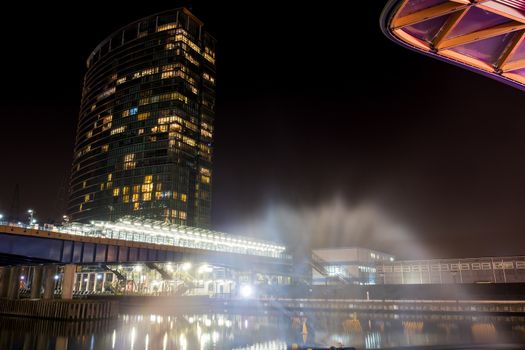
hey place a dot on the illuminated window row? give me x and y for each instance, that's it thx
(118, 130)
(129, 161)
(206, 126)
(178, 74)
(189, 141)
(165, 74)
(164, 97)
(106, 93)
(181, 35)
(166, 26)
(103, 120)
(209, 78)
(172, 213)
(189, 57)
(145, 72)
(209, 58)
(209, 51)
(206, 133)
(176, 66)
(170, 119)
(205, 149)
(157, 194)
(453, 267)
(128, 112)
(143, 116)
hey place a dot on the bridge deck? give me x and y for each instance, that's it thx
(37, 246)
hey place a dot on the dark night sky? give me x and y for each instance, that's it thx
(324, 128)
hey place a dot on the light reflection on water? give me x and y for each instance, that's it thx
(259, 331)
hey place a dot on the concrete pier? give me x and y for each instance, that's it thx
(60, 309)
(14, 282)
(36, 282)
(49, 281)
(4, 281)
(68, 281)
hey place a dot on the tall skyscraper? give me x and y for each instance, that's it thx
(145, 131)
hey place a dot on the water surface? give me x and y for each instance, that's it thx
(259, 331)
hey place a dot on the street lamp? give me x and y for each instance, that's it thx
(31, 213)
(186, 266)
(246, 291)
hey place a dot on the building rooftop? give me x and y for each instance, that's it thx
(486, 36)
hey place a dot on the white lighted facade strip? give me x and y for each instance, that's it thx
(155, 232)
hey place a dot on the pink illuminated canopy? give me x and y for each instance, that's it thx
(487, 36)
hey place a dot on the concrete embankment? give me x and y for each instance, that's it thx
(60, 309)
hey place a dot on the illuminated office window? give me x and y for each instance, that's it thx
(143, 116)
(118, 130)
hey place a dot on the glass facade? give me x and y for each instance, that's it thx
(145, 130)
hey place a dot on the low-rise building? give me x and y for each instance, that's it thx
(352, 265)
(364, 266)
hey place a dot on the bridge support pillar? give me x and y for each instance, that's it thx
(49, 281)
(68, 281)
(36, 282)
(14, 282)
(4, 281)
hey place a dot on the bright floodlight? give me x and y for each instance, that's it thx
(246, 291)
(186, 266)
(30, 211)
(1, 216)
(99, 277)
(56, 277)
